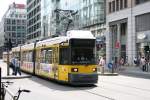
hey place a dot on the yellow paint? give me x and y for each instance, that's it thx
(64, 70)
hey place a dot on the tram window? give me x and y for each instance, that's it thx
(64, 56)
(27, 56)
(42, 56)
(46, 56)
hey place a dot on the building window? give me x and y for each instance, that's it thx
(23, 22)
(13, 28)
(113, 6)
(16, 15)
(8, 21)
(121, 4)
(13, 34)
(125, 3)
(13, 22)
(8, 28)
(109, 7)
(117, 5)
(142, 22)
(141, 1)
(19, 22)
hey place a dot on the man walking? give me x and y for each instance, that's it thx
(17, 66)
(12, 65)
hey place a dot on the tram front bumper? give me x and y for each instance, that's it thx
(83, 78)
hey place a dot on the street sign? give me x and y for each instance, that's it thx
(117, 44)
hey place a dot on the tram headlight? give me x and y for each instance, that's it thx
(94, 69)
(74, 70)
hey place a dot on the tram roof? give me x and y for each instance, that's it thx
(27, 46)
(73, 34)
(80, 34)
(51, 41)
(16, 48)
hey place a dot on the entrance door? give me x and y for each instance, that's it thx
(55, 55)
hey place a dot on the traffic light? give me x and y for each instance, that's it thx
(146, 49)
(8, 44)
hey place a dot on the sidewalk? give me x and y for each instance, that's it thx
(106, 72)
(3, 66)
(127, 71)
(135, 72)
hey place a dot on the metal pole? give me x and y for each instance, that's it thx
(0, 82)
(7, 62)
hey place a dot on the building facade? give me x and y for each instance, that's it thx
(34, 20)
(128, 26)
(13, 25)
(93, 18)
(90, 16)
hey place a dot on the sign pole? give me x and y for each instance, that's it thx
(0, 81)
(7, 62)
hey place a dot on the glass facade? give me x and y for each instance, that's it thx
(140, 1)
(92, 12)
(33, 20)
(48, 17)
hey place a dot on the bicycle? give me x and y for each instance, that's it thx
(19, 93)
(4, 90)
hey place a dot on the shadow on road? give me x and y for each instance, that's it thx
(60, 86)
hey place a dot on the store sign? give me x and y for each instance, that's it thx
(141, 36)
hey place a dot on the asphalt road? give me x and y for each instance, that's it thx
(108, 88)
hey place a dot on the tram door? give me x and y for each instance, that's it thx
(55, 55)
(37, 63)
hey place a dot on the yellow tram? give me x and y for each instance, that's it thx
(69, 59)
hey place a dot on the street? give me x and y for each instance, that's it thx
(108, 88)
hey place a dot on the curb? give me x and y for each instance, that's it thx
(108, 74)
(17, 77)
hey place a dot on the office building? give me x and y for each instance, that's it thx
(13, 25)
(128, 27)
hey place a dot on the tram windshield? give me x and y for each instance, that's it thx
(82, 56)
(82, 51)
(79, 52)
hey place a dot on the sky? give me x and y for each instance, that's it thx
(4, 4)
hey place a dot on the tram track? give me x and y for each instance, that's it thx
(106, 97)
(116, 84)
(97, 94)
(123, 85)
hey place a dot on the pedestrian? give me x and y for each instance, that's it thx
(121, 62)
(12, 65)
(146, 65)
(17, 66)
(135, 60)
(102, 64)
(143, 63)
